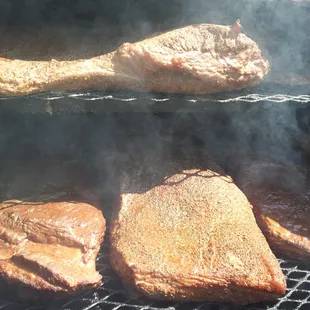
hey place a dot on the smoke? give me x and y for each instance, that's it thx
(116, 143)
(280, 26)
(96, 156)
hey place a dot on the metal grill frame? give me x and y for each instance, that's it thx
(112, 295)
(94, 101)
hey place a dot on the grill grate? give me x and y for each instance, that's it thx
(112, 296)
(94, 96)
(92, 101)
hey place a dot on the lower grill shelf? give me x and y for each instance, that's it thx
(112, 295)
(121, 136)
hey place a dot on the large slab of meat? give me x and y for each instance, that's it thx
(49, 248)
(281, 200)
(193, 238)
(197, 59)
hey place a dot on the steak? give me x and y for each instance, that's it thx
(193, 238)
(281, 203)
(197, 59)
(49, 247)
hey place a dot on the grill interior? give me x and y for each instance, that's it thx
(100, 141)
(98, 129)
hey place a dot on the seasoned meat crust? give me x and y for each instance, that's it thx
(193, 238)
(50, 247)
(197, 59)
(281, 200)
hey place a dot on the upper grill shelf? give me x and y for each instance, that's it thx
(94, 101)
(57, 30)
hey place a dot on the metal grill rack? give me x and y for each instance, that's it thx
(92, 102)
(112, 296)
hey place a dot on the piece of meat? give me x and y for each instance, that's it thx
(281, 205)
(50, 247)
(197, 59)
(193, 238)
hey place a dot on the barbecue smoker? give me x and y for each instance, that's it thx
(52, 141)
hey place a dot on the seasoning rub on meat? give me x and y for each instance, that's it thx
(193, 238)
(197, 59)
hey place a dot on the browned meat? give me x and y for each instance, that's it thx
(50, 247)
(199, 59)
(281, 205)
(193, 238)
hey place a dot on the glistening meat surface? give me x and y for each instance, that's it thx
(50, 247)
(281, 204)
(197, 59)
